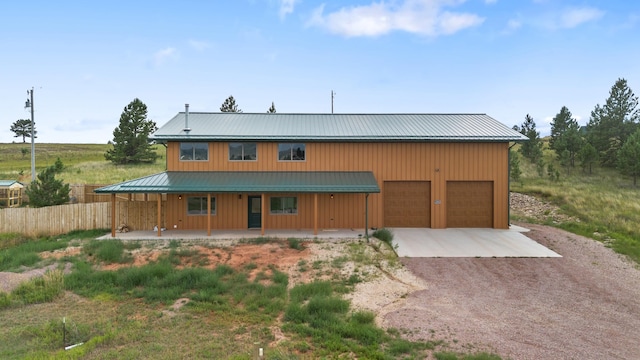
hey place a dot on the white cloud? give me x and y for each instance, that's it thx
(423, 17)
(163, 55)
(514, 24)
(576, 16)
(199, 45)
(286, 7)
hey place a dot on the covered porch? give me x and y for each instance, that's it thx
(216, 188)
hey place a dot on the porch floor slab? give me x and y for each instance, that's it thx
(238, 234)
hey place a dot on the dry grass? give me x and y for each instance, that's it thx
(84, 163)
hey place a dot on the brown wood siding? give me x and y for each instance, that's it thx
(407, 203)
(434, 162)
(469, 204)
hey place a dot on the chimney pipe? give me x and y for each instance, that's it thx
(186, 118)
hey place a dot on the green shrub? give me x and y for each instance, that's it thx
(108, 251)
(384, 235)
(295, 244)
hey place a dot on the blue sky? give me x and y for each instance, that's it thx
(86, 60)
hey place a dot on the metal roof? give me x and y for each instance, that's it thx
(9, 183)
(249, 181)
(335, 127)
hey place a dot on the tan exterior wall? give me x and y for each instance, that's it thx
(434, 162)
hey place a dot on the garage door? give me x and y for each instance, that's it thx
(469, 204)
(407, 204)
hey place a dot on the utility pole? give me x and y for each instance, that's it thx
(333, 94)
(29, 104)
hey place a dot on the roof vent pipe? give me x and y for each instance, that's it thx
(186, 118)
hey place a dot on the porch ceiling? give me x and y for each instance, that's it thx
(249, 181)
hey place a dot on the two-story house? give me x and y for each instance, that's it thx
(329, 171)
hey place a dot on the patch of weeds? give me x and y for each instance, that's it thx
(384, 235)
(38, 290)
(108, 251)
(51, 334)
(27, 253)
(8, 240)
(317, 265)
(257, 241)
(302, 265)
(338, 262)
(174, 244)
(295, 244)
(353, 279)
(251, 266)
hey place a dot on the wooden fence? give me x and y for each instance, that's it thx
(53, 220)
(60, 219)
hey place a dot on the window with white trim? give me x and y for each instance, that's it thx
(195, 151)
(243, 151)
(291, 152)
(284, 205)
(197, 205)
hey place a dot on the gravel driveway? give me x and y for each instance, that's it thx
(585, 305)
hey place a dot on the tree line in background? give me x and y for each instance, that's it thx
(611, 138)
(131, 138)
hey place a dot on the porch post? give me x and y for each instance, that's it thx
(262, 211)
(315, 214)
(159, 213)
(113, 214)
(208, 214)
(366, 216)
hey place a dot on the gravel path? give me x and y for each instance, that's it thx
(585, 305)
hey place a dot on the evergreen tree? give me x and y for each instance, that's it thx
(531, 149)
(131, 139)
(46, 190)
(611, 124)
(588, 155)
(514, 166)
(272, 109)
(22, 127)
(565, 135)
(629, 157)
(229, 105)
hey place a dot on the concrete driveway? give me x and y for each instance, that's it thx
(422, 242)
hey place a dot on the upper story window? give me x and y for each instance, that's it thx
(243, 151)
(194, 151)
(291, 152)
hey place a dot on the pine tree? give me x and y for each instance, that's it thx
(229, 105)
(46, 190)
(272, 109)
(565, 135)
(588, 155)
(629, 157)
(22, 127)
(611, 124)
(131, 139)
(531, 149)
(514, 166)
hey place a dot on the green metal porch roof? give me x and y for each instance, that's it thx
(249, 181)
(335, 127)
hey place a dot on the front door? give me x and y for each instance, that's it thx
(255, 212)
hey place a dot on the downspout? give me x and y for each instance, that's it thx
(366, 216)
(509, 185)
